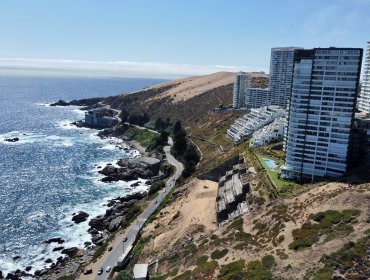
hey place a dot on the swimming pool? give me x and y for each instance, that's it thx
(271, 164)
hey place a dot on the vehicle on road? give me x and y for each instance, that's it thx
(88, 271)
(100, 271)
(108, 268)
(110, 248)
(124, 239)
(164, 190)
(155, 202)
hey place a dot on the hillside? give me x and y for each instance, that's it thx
(187, 99)
(294, 238)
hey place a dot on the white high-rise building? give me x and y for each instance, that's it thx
(281, 75)
(364, 100)
(242, 81)
(321, 112)
(257, 97)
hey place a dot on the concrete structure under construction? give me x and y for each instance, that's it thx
(254, 120)
(242, 81)
(271, 132)
(232, 191)
(281, 75)
(321, 112)
(364, 100)
(257, 97)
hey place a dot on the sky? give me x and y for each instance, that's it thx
(168, 38)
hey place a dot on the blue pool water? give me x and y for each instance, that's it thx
(271, 164)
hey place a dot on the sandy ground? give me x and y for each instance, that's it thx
(193, 86)
(194, 213)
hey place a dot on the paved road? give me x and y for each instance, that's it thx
(133, 230)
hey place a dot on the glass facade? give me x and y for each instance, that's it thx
(321, 112)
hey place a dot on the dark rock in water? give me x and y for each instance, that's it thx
(12, 276)
(80, 217)
(60, 103)
(97, 223)
(70, 252)
(15, 139)
(16, 258)
(28, 268)
(58, 248)
(135, 184)
(1, 275)
(87, 243)
(42, 272)
(55, 240)
(48, 261)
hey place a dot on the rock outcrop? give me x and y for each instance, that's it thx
(80, 217)
(131, 169)
(120, 210)
(60, 103)
(15, 139)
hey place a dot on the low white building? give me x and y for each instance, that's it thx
(141, 271)
(272, 132)
(254, 120)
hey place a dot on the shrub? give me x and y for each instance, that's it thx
(268, 261)
(256, 271)
(202, 260)
(219, 254)
(233, 270)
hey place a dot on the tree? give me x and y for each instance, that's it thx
(124, 275)
(162, 139)
(177, 127)
(124, 115)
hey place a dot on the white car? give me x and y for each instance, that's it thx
(108, 268)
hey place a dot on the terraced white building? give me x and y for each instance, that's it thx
(272, 132)
(254, 120)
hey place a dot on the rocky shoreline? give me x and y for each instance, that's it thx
(119, 211)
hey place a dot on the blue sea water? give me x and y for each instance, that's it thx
(51, 172)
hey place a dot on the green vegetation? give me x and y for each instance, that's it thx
(237, 225)
(233, 271)
(124, 275)
(66, 277)
(156, 186)
(331, 223)
(184, 151)
(202, 260)
(171, 273)
(257, 271)
(268, 261)
(219, 254)
(143, 136)
(131, 215)
(352, 256)
(207, 268)
(184, 276)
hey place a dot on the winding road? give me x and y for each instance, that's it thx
(110, 257)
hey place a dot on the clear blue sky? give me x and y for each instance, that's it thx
(199, 33)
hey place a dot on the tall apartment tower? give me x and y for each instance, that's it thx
(242, 81)
(364, 100)
(281, 75)
(321, 112)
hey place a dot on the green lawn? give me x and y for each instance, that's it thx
(284, 187)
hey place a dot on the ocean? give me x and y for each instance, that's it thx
(51, 172)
